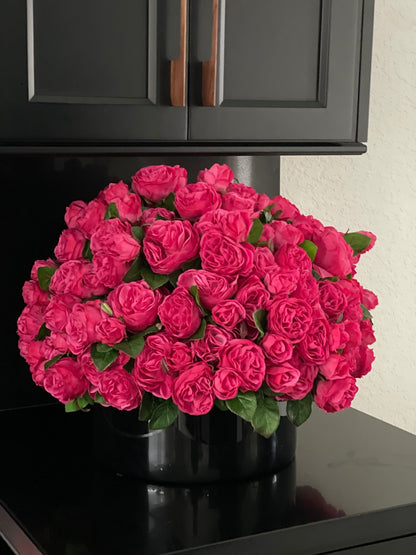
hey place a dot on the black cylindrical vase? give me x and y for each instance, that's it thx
(216, 447)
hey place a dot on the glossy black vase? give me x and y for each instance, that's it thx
(216, 447)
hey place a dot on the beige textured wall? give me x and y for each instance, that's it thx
(377, 192)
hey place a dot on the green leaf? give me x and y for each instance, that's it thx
(86, 251)
(79, 403)
(132, 346)
(243, 405)
(358, 241)
(194, 264)
(102, 356)
(128, 367)
(265, 389)
(151, 329)
(146, 407)
(44, 276)
(194, 292)
(277, 214)
(310, 249)
(152, 279)
(138, 232)
(200, 332)
(174, 276)
(340, 317)
(164, 415)
(134, 273)
(220, 404)
(299, 411)
(169, 202)
(366, 313)
(255, 232)
(42, 333)
(72, 406)
(259, 317)
(98, 398)
(111, 212)
(49, 363)
(265, 217)
(266, 419)
(105, 307)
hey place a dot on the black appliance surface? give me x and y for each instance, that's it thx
(352, 486)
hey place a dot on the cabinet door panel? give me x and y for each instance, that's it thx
(93, 70)
(287, 70)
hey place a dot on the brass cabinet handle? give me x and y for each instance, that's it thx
(178, 66)
(209, 68)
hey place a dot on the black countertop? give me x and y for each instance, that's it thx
(353, 483)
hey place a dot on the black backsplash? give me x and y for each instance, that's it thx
(36, 191)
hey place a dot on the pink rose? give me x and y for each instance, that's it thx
(136, 303)
(223, 256)
(168, 244)
(113, 238)
(335, 395)
(38, 353)
(175, 354)
(226, 383)
(156, 182)
(179, 313)
(151, 371)
(65, 381)
(218, 175)
(110, 331)
(149, 216)
(352, 291)
(369, 299)
(336, 367)
(210, 220)
(29, 321)
(108, 269)
(208, 347)
(334, 255)
(263, 261)
(93, 285)
(212, 288)
(307, 288)
(193, 200)
(308, 225)
(240, 197)
(304, 385)
(332, 300)
(68, 278)
(90, 371)
(228, 313)
(367, 332)
(292, 257)
(282, 378)
(81, 325)
(70, 245)
(93, 215)
(74, 213)
(314, 347)
(284, 233)
(192, 390)
(58, 311)
(33, 294)
(119, 389)
(288, 210)
(129, 205)
(290, 317)
(279, 281)
(247, 359)
(364, 362)
(277, 348)
(253, 296)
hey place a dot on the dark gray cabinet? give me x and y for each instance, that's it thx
(97, 72)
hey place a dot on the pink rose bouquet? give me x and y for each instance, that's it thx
(168, 296)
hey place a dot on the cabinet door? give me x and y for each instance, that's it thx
(88, 71)
(287, 70)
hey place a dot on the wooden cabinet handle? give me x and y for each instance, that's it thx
(209, 68)
(178, 66)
